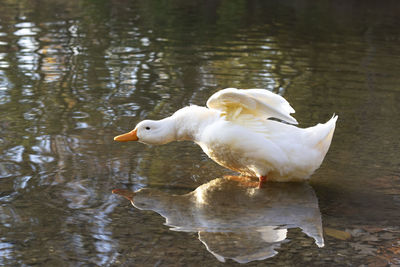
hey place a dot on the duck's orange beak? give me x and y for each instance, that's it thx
(131, 136)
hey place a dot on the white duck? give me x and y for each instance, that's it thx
(235, 131)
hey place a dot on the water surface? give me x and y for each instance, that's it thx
(73, 74)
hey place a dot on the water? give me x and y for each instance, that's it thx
(75, 74)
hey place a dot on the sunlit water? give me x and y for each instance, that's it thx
(73, 74)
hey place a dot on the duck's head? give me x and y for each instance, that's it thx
(151, 132)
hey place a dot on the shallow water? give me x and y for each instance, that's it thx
(73, 74)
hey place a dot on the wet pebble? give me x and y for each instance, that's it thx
(367, 238)
(338, 234)
(386, 236)
(355, 232)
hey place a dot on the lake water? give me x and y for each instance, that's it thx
(73, 74)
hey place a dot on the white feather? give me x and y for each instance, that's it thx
(260, 103)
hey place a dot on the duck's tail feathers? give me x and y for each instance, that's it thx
(325, 132)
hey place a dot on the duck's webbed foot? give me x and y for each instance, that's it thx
(262, 181)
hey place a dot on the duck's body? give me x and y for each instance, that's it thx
(235, 132)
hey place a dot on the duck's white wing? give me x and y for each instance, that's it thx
(260, 103)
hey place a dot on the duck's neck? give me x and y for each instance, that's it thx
(191, 121)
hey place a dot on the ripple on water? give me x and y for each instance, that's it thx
(21, 182)
(9, 169)
(6, 252)
(40, 159)
(15, 153)
(27, 31)
(80, 115)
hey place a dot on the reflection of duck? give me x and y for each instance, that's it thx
(234, 220)
(234, 131)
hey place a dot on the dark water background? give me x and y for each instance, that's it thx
(73, 74)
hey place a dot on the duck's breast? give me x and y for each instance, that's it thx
(240, 149)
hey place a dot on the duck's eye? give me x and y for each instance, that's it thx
(147, 128)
